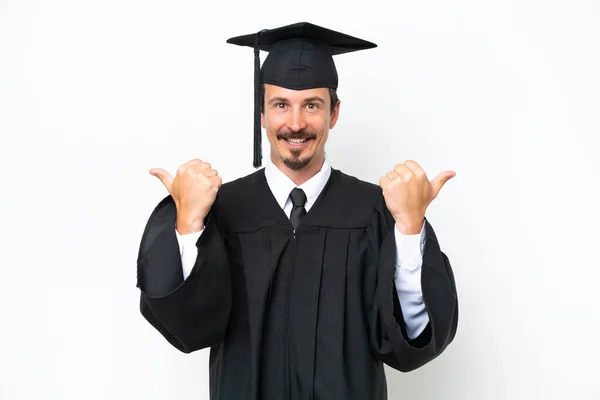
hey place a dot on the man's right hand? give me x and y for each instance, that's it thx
(194, 190)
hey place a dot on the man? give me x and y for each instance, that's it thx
(302, 280)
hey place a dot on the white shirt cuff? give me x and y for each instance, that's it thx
(188, 251)
(407, 278)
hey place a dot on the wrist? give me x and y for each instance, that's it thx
(189, 225)
(410, 227)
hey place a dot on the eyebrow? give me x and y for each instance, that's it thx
(278, 100)
(284, 100)
(313, 99)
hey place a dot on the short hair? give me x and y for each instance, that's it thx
(332, 95)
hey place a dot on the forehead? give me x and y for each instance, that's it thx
(292, 95)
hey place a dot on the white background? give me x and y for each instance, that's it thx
(95, 93)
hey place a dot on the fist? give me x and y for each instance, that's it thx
(194, 190)
(408, 192)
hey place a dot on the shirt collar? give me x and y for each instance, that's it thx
(281, 185)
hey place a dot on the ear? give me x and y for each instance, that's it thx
(262, 120)
(334, 115)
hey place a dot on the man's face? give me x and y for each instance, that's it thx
(297, 124)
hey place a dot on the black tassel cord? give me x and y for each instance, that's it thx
(257, 128)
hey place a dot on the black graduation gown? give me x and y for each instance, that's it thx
(307, 316)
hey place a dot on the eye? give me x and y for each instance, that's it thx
(280, 105)
(312, 106)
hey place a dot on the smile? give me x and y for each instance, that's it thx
(296, 141)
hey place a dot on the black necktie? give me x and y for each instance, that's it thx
(298, 200)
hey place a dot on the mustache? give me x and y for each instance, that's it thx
(301, 134)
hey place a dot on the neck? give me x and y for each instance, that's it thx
(303, 175)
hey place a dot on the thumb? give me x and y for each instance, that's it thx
(440, 180)
(164, 177)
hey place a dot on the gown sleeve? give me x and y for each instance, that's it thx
(190, 314)
(389, 340)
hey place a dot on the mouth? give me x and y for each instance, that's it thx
(297, 144)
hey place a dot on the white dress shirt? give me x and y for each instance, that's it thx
(409, 248)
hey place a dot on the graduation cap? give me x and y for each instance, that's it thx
(300, 57)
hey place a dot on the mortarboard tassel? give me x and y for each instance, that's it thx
(257, 127)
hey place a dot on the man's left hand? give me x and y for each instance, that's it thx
(408, 192)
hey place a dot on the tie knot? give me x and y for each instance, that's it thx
(298, 197)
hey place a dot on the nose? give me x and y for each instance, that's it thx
(297, 120)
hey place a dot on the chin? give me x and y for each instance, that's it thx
(297, 162)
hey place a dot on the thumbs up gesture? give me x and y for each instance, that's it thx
(194, 190)
(408, 192)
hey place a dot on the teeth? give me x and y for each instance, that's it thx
(296, 141)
